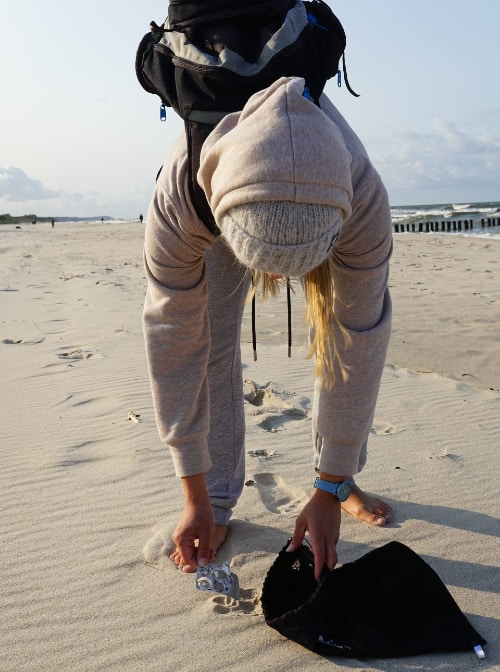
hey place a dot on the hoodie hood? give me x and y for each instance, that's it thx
(280, 147)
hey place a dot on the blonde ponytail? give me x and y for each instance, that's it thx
(320, 294)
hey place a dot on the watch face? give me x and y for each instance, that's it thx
(344, 490)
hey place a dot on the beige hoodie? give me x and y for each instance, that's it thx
(175, 312)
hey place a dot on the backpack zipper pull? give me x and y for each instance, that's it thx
(307, 94)
(479, 651)
(312, 19)
(339, 78)
(163, 112)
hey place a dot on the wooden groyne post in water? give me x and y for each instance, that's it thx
(444, 226)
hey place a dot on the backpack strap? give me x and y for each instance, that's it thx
(196, 134)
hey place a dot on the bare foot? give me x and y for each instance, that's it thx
(218, 538)
(367, 508)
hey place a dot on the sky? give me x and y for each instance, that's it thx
(80, 138)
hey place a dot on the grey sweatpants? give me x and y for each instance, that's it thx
(228, 286)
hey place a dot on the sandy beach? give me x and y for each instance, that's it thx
(88, 495)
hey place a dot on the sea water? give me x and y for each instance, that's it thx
(449, 212)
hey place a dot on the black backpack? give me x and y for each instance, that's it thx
(203, 90)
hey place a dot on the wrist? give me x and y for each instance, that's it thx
(325, 497)
(333, 478)
(195, 488)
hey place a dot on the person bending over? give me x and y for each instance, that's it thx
(295, 195)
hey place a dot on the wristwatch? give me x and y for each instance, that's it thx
(340, 490)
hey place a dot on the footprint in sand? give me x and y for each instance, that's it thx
(248, 603)
(262, 452)
(382, 428)
(286, 419)
(273, 404)
(77, 355)
(266, 395)
(22, 341)
(277, 496)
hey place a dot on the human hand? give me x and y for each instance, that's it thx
(321, 518)
(195, 528)
(192, 538)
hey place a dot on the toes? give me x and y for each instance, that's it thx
(382, 510)
(219, 537)
(372, 518)
(187, 569)
(367, 508)
(379, 521)
(387, 514)
(176, 559)
(175, 556)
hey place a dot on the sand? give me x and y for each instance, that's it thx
(87, 491)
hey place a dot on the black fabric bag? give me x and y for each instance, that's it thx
(389, 603)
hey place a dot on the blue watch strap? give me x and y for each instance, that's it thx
(340, 490)
(327, 486)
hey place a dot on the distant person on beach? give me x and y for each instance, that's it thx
(294, 195)
(141, 218)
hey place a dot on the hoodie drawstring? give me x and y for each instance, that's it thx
(254, 331)
(289, 309)
(289, 315)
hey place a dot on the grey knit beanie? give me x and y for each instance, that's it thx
(277, 176)
(281, 237)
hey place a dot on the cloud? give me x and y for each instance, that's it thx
(15, 185)
(20, 194)
(446, 158)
